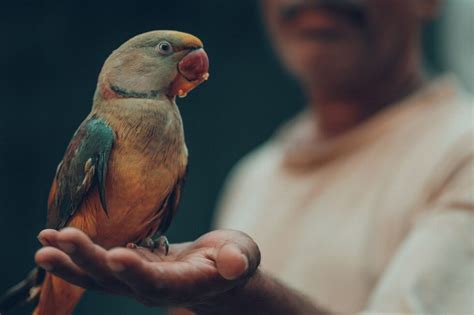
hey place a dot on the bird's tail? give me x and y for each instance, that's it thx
(27, 291)
(57, 297)
(52, 295)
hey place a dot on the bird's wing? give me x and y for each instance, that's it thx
(169, 207)
(83, 166)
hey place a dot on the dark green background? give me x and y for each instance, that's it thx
(51, 53)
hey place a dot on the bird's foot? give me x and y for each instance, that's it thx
(158, 243)
(162, 242)
(132, 245)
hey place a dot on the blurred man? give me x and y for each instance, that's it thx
(365, 201)
(362, 203)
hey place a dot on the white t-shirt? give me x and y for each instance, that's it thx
(380, 219)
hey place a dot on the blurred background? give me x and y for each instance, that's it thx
(51, 54)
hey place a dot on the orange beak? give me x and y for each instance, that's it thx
(193, 69)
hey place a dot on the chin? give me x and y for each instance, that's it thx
(325, 64)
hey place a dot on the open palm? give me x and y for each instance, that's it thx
(192, 273)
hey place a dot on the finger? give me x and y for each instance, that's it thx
(58, 263)
(236, 254)
(140, 275)
(47, 237)
(231, 262)
(88, 256)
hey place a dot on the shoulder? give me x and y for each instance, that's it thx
(444, 148)
(97, 127)
(453, 124)
(442, 120)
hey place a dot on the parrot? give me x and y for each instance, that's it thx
(121, 176)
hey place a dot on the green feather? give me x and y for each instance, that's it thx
(84, 164)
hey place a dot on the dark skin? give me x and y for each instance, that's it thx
(224, 258)
(350, 66)
(213, 275)
(352, 58)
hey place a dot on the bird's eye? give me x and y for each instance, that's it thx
(164, 48)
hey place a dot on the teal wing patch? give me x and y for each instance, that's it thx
(170, 207)
(84, 165)
(167, 209)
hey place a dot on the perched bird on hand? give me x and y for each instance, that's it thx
(121, 177)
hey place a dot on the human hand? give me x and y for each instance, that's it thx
(191, 275)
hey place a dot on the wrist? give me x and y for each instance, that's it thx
(260, 294)
(234, 300)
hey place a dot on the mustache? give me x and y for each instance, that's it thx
(349, 9)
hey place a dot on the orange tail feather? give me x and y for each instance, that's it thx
(57, 297)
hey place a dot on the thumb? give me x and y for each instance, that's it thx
(231, 262)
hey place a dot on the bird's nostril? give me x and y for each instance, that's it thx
(194, 65)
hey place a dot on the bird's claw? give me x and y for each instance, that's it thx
(132, 246)
(163, 242)
(152, 244)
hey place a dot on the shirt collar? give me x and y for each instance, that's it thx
(299, 136)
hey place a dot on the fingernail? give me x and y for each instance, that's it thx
(116, 266)
(68, 248)
(246, 263)
(46, 266)
(43, 241)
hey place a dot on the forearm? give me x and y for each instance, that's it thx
(262, 294)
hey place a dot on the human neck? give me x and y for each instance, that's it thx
(337, 113)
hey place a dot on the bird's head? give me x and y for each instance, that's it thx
(154, 64)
